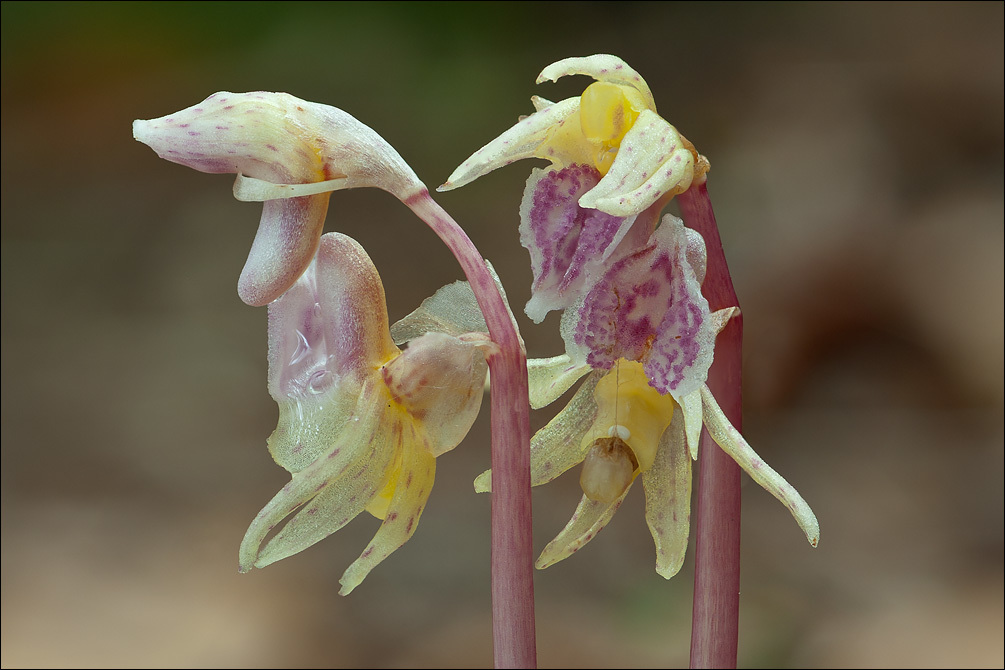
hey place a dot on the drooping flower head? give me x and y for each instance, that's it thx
(361, 422)
(289, 154)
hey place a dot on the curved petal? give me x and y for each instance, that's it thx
(452, 310)
(439, 379)
(549, 378)
(284, 245)
(520, 141)
(668, 498)
(347, 494)
(415, 482)
(588, 520)
(602, 67)
(651, 162)
(567, 243)
(352, 450)
(558, 446)
(249, 189)
(732, 442)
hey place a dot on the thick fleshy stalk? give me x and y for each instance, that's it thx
(715, 613)
(513, 631)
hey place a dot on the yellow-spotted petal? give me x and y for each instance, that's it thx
(520, 141)
(588, 520)
(602, 67)
(652, 161)
(415, 481)
(732, 442)
(668, 498)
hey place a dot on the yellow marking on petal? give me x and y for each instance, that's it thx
(626, 401)
(607, 111)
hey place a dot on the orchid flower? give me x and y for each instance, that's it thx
(612, 158)
(290, 154)
(360, 421)
(645, 336)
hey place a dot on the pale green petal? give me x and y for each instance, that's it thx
(732, 442)
(588, 520)
(722, 316)
(602, 67)
(558, 446)
(249, 189)
(341, 499)
(549, 378)
(418, 469)
(651, 162)
(520, 141)
(365, 433)
(668, 498)
(690, 405)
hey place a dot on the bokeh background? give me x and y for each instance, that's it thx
(857, 171)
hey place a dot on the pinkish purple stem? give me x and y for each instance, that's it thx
(513, 633)
(715, 615)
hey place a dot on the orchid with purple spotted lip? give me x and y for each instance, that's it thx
(644, 331)
(360, 421)
(613, 160)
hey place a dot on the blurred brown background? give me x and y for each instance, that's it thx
(857, 155)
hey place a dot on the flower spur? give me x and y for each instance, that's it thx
(360, 421)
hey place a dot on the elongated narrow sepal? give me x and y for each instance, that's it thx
(733, 443)
(415, 481)
(602, 67)
(520, 141)
(549, 378)
(668, 498)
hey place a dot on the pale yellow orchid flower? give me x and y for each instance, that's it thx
(645, 332)
(612, 127)
(361, 422)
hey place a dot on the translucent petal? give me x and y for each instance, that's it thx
(452, 310)
(602, 67)
(549, 378)
(588, 520)
(344, 496)
(732, 442)
(668, 498)
(327, 334)
(418, 469)
(439, 380)
(520, 141)
(360, 448)
(558, 446)
(651, 162)
(567, 243)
